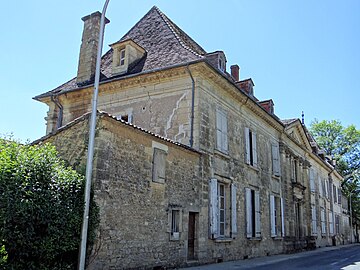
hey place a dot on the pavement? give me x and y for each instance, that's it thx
(264, 261)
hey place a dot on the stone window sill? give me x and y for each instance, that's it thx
(255, 238)
(221, 153)
(253, 168)
(223, 240)
(277, 238)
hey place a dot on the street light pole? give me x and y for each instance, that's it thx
(89, 167)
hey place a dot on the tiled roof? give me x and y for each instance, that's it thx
(288, 122)
(165, 43)
(105, 114)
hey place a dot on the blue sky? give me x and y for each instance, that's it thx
(305, 55)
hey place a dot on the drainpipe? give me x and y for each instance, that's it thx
(55, 99)
(192, 106)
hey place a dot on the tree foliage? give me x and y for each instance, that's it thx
(342, 144)
(41, 208)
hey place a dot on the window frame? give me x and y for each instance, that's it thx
(253, 213)
(251, 157)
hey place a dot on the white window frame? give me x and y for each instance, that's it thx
(323, 221)
(250, 147)
(122, 56)
(253, 214)
(214, 210)
(222, 210)
(222, 131)
(276, 216)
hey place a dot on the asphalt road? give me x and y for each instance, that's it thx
(330, 258)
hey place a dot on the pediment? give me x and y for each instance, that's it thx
(298, 134)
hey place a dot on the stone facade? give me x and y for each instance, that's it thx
(248, 185)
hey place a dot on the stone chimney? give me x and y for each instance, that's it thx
(89, 47)
(235, 72)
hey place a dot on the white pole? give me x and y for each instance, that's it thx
(84, 231)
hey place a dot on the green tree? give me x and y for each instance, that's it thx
(343, 145)
(41, 208)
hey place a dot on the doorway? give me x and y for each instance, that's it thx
(191, 236)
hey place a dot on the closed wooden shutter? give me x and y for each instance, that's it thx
(312, 180)
(275, 159)
(272, 216)
(257, 215)
(218, 129)
(214, 208)
(249, 211)
(254, 149)
(159, 164)
(282, 217)
(233, 210)
(247, 146)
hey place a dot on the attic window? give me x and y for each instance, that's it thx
(121, 57)
(221, 64)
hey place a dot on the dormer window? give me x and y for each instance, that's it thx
(122, 57)
(125, 54)
(221, 63)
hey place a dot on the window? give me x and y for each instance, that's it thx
(122, 57)
(335, 194)
(221, 131)
(339, 195)
(222, 209)
(312, 180)
(253, 222)
(275, 159)
(321, 187)
(337, 224)
(221, 63)
(159, 163)
(222, 221)
(276, 216)
(250, 147)
(174, 223)
(294, 170)
(331, 223)
(326, 188)
(125, 117)
(323, 221)
(313, 220)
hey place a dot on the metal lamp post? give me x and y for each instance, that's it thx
(89, 167)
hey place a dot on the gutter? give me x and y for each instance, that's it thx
(192, 106)
(55, 99)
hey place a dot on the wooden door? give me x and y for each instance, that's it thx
(191, 236)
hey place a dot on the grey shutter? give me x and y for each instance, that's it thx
(331, 223)
(254, 149)
(282, 217)
(224, 132)
(248, 212)
(313, 220)
(257, 215)
(275, 159)
(159, 164)
(218, 129)
(247, 146)
(335, 194)
(312, 180)
(233, 209)
(272, 216)
(214, 208)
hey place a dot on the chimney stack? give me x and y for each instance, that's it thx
(88, 49)
(235, 72)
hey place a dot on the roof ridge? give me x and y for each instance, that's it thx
(179, 39)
